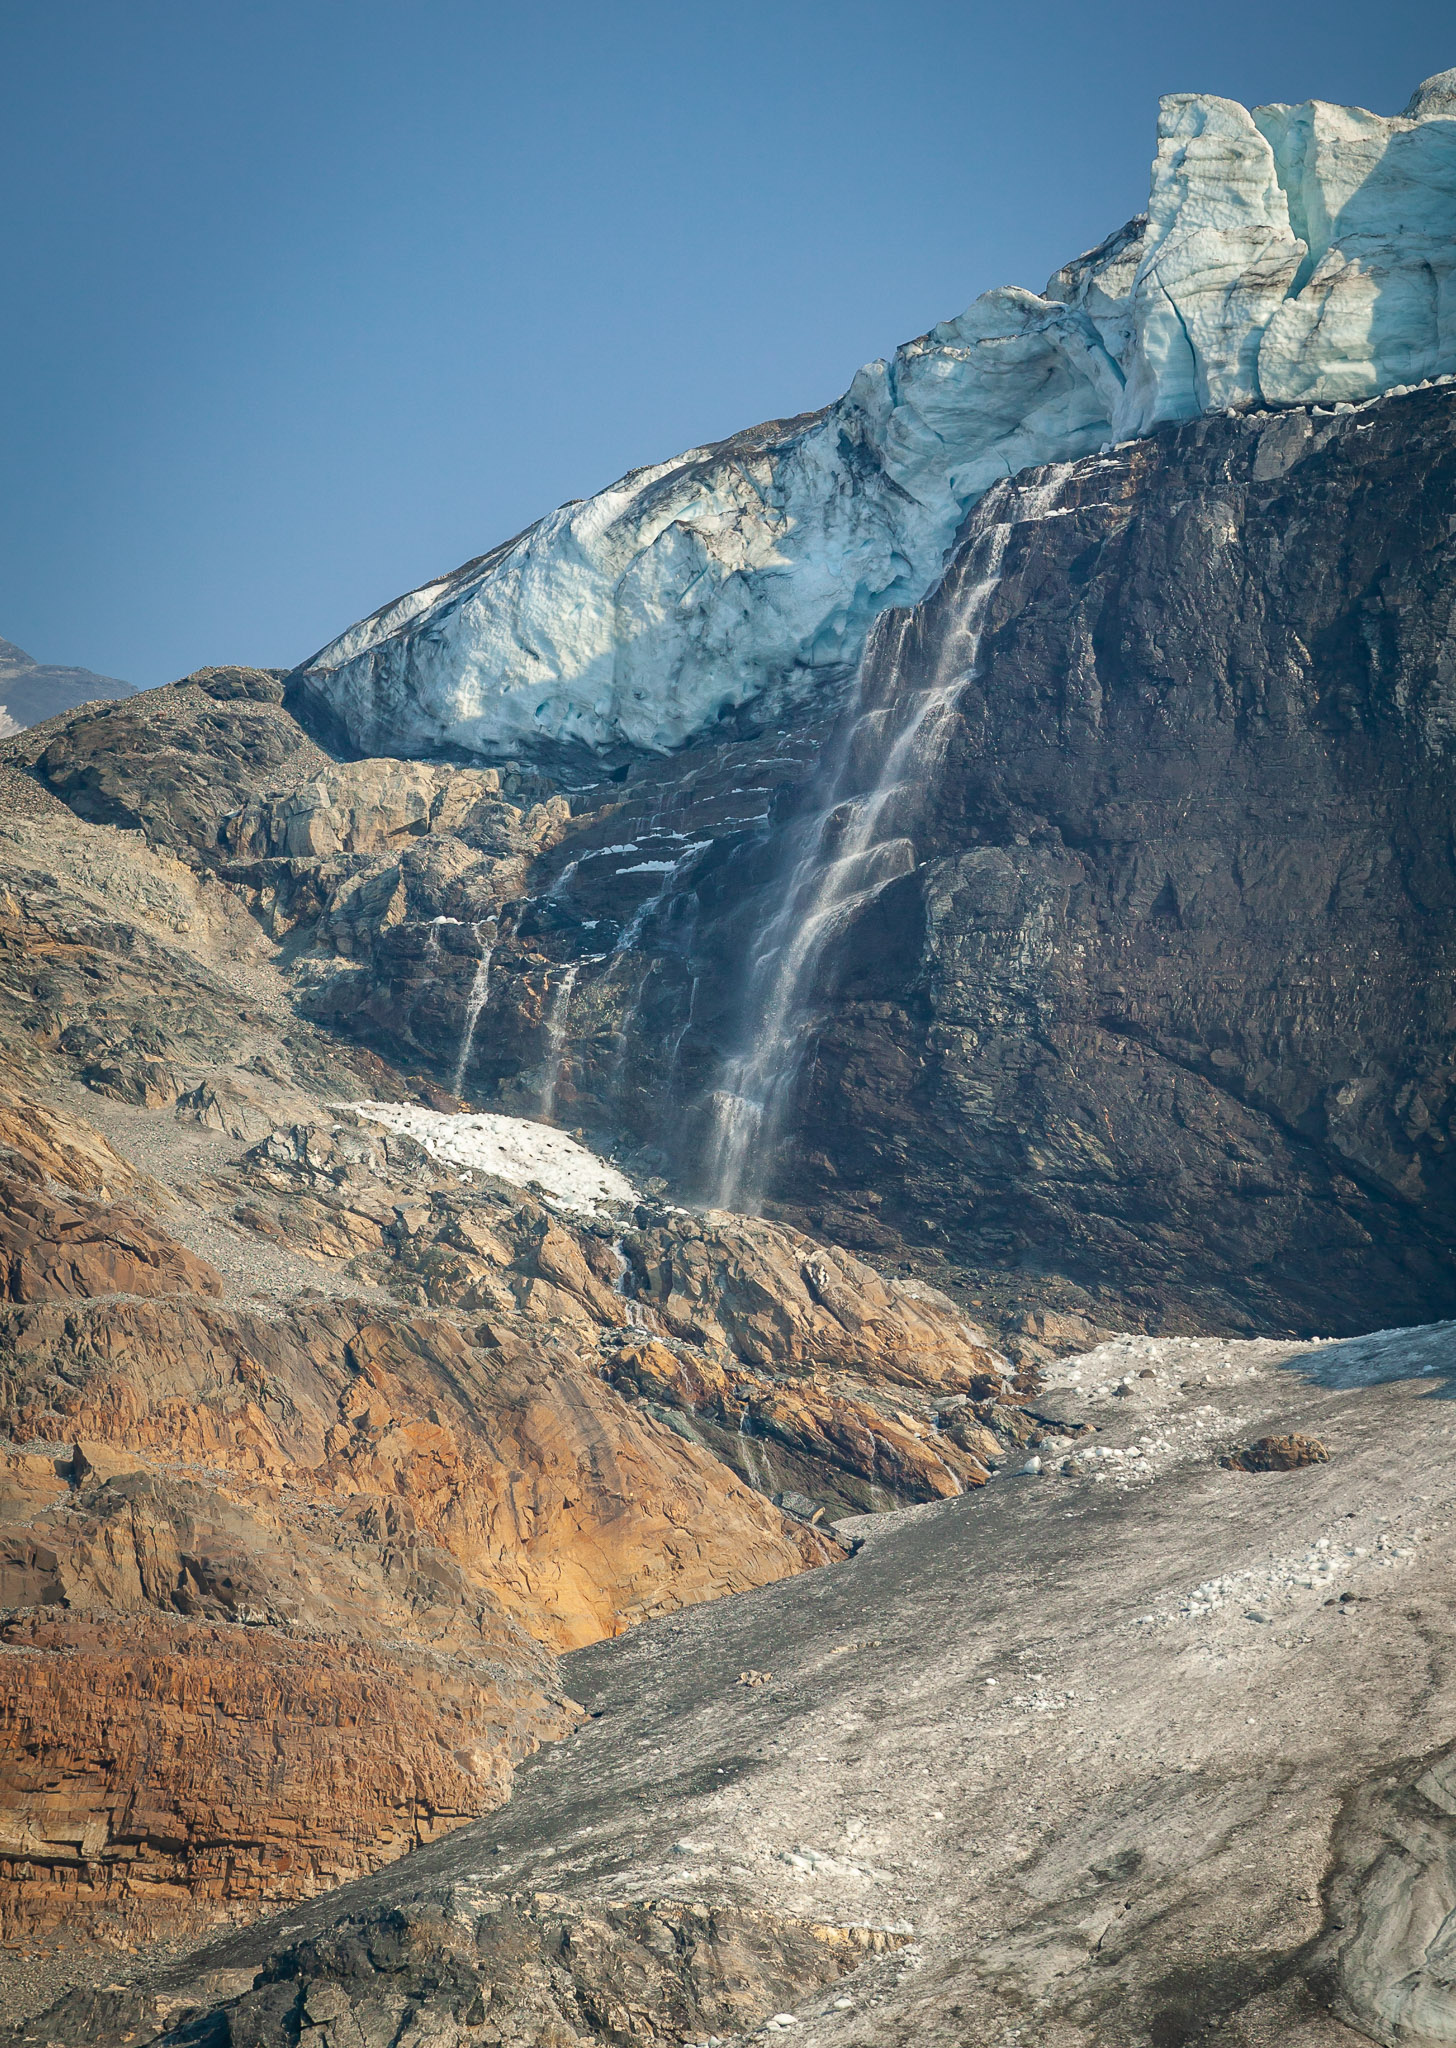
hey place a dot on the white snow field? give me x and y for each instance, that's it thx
(1295, 255)
(512, 1148)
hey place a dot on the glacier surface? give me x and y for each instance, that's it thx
(1294, 255)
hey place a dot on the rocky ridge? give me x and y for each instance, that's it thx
(318, 1452)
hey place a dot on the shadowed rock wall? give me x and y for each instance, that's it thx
(1164, 1007)
(1178, 1017)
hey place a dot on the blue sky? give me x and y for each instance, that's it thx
(310, 299)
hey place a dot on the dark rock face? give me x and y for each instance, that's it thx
(487, 1967)
(1163, 1008)
(1180, 1018)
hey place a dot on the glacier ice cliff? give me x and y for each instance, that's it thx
(1295, 255)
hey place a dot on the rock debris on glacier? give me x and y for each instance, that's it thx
(1051, 1755)
(1296, 255)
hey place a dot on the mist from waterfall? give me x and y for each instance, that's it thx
(879, 767)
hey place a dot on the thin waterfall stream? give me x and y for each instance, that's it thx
(558, 1018)
(475, 1003)
(848, 851)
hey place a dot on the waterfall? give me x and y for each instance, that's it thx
(479, 990)
(557, 1019)
(846, 852)
(755, 1460)
(629, 942)
(629, 1302)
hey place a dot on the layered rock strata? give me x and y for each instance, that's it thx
(314, 1452)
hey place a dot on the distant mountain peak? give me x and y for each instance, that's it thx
(32, 690)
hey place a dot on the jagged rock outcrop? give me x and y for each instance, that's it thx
(1145, 1023)
(1145, 1002)
(336, 1541)
(315, 1452)
(1296, 255)
(489, 1967)
(801, 1368)
(52, 1248)
(173, 762)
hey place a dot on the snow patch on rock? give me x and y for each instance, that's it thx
(511, 1148)
(1290, 256)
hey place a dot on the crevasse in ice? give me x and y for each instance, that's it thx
(1296, 255)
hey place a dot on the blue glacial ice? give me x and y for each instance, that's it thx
(1296, 255)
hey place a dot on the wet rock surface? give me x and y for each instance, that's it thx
(1153, 1016)
(1187, 893)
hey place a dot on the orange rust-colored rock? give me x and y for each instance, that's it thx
(797, 1363)
(336, 1519)
(283, 1569)
(158, 1774)
(560, 1502)
(58, 1245)
(50, 1144)
(51, 1246)
(565, 1433)
(773, 1298)
(818, 1422)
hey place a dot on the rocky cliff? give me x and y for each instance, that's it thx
(316, 1451)
(1131, 1005)
(452, 1214)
